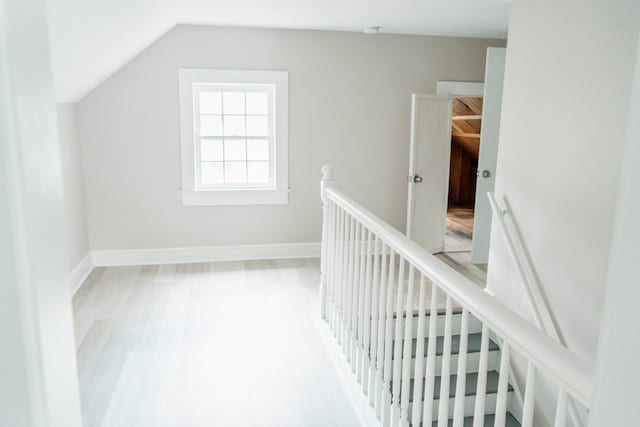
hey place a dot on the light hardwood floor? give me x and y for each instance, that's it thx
(211, 344)
(459, 230)
(461, 261)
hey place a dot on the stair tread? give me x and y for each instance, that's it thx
(488, 421)
(474, 342)
(456, 311)
(470, 385)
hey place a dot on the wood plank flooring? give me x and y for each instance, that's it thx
(211, 344)
(459, 229)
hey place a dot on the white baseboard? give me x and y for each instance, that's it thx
(103, 258)
(80, 273)
(359, 402)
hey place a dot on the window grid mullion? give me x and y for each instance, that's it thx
(271, 130)
(245, 114)
(235, 137)
(196, 140)
(246, 154)
(224, 158)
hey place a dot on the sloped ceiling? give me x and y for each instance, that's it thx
(91, 39)
(466, 124)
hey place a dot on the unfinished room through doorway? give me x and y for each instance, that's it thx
(466, 123)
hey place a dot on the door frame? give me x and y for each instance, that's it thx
(457, 89)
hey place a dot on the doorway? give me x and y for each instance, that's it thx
(434, 199)
(466, 123)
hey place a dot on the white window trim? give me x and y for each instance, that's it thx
(191, 195)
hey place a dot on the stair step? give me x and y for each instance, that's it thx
(474, 324)
(470, 392)
(473, 344)
(470, 385)
(473, 362)
(488, 421)
(469, 404)
(473, 353)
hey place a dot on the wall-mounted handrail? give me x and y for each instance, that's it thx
(540, 310)
(532, 288)
(571, 372)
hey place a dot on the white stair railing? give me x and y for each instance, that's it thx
(372, 280)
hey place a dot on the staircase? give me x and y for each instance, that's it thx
(427, 345)
(472, 356)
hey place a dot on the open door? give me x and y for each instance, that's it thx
(487, 159)
(429, 170)
(447, 206)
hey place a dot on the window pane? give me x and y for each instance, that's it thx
(234, 103)
(235, 173)
(235, 149)
(257, 126)
(258, 172)
(210, 102)
(258, 149)
(210, 125)
(234, 126)
(257, 103)
(211, 173)
(211, 150)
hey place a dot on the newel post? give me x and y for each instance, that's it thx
(325, 183)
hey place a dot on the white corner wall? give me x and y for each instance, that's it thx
(349, 101)
(616, 389)
(38, 372)
(72, 184)
(566, 94)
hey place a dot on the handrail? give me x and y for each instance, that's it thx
(539, 308)
(571, 372)
(541, 313)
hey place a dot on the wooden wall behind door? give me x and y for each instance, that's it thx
(462, 176)
(465, 147)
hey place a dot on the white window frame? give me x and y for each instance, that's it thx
(195, 194)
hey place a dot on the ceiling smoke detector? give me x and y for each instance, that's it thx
(372, 30)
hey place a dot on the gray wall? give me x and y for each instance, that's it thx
(564, 115)
(348, 105)
(72, 182)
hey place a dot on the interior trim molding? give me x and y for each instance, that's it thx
(152, 256)
(80, 272)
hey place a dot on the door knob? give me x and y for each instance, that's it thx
(486, 174)
(417, 178)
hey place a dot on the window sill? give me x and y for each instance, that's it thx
(278, 196)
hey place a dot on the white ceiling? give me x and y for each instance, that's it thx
(91, 39)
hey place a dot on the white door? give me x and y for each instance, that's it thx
(492, 106)
(428, 176)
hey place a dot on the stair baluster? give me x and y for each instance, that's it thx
(425, 368)
(461, 383)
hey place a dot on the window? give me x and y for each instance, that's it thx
(234, 137)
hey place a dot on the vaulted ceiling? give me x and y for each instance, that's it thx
(91, 39)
